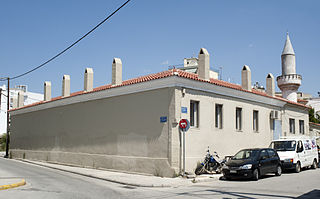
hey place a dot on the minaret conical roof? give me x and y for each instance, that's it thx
(288, 49)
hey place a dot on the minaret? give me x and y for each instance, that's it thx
(289, 81)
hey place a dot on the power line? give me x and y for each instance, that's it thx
(57, 55)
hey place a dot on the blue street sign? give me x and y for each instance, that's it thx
(184, 109)
(163, 119)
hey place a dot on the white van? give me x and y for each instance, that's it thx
(296, 153)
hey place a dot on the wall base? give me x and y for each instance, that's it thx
(154, 166)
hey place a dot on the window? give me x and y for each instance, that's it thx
(291, 125)
(256, 121)
(219, 116)
(271, 153)
(194, 114)
(301, 126)
(238, 119)
(299, 147)
(264, 154)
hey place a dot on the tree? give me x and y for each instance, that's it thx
(315, 118)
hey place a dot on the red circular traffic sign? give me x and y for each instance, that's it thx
(184, 124)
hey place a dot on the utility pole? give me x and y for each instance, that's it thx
(8, 122)
(0, 98)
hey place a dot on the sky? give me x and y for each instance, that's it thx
(150, 35)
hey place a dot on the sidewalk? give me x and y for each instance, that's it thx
(126, 178)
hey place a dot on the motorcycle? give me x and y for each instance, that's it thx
(211, 164)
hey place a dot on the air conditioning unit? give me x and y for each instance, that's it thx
(274, 115)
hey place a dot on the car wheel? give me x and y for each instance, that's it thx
(298, 167)
(255, 175)
(279, 171)
(314, 164)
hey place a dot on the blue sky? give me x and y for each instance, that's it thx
(149, 35)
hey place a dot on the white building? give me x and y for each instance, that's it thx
(28, 98)
(132, 125)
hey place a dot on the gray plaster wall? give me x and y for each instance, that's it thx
(121, 133)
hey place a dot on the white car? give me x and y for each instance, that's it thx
(296, 153)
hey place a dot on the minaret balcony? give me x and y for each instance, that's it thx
(289, 79)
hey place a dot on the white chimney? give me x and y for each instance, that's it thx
(88, 80)
(204, 64)
(20, 99)
(47, 91)
(270, 85)
(116, 71)
(246, 78)
(66, 86)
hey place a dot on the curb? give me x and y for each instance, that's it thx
(3, 187)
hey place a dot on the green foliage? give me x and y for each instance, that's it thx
(315, 118)
(3, 139)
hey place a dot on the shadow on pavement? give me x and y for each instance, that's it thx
(311, 195)
(246, 179)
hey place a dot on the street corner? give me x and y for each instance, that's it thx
(9, 185)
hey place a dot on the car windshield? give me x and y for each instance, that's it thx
(289, 145)
(245, 154)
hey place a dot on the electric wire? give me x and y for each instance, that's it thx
(66, 49)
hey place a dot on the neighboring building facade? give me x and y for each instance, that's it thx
(28, 98)
(132, 125)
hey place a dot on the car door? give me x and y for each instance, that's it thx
(301, 154)
(264, 162)
(274, 160)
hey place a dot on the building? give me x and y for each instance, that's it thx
(132, 125)
(29, 98)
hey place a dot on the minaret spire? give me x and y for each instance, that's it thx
(289, 81)
(288, 49)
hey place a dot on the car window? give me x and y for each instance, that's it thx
(299, 147)
(264, 154)
(245, 154)
(289, 145)
(271, 153)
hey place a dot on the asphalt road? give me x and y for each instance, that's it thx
(290, 185)
(49, 183)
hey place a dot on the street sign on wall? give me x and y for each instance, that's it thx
(163, 119)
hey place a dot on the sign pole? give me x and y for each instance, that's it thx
(184, 152)
(184, 125)
(180, 157)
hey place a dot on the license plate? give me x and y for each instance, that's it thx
(233, 171)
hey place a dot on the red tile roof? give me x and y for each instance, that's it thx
(168, 73)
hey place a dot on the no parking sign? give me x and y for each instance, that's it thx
(184, 125)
